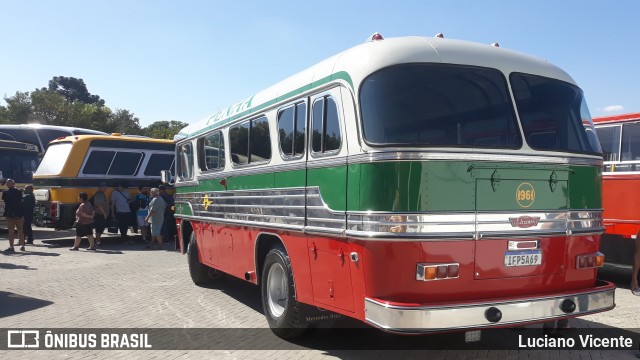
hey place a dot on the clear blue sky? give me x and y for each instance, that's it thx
(184, 60)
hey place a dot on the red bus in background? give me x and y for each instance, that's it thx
(619, 137)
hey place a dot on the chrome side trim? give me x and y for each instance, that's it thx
(304, 208)
(438, 318)
(243, 223)
(438, 225)
(327, 162)
(564, 159)
(319, 217)
(187, 183)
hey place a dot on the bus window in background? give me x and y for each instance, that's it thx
(80, 163)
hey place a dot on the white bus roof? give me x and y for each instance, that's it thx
(352, 66)
(51, 127)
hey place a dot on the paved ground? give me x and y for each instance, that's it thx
(127, 286)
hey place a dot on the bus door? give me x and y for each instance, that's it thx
(326, 201)
(521, 220)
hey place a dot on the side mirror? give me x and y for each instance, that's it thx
(166, 177)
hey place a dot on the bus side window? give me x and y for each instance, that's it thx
(98, 162)
(250, 142)
(157, 163)
(185, 162)
(211, 152)
(291, 130)
(26, 135)
(630, 145)
(125, 163)
(326, 126)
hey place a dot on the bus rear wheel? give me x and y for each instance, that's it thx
(200, 273)
(278, 295)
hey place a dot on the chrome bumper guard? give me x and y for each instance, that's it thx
(491, 314)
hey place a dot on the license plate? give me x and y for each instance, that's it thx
(523, 258)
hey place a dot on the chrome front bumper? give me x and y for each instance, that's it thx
(414, 319)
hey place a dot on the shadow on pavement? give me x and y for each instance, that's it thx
(13, 304)
(244, 292)
(110, 244)
(621, 276)
(15, 267)
(29, 253)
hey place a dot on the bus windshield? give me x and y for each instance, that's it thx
(54, 159)
(554, 115)
(438, 105)
(18, 165)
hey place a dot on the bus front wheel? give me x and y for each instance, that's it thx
(278, 295)
(200, 273)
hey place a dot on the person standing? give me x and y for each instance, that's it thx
(169, 221)
(84, 221)
(101, 207)
(636, 268)
(156, 218)
(142, 199)
(13, 213)
(28, 205)
(120, 199)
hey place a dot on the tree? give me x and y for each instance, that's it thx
(164, 129)
(4, 115)
(123, 121)
(73, 90)
(68, 102)
(19, 108)
(48, 107)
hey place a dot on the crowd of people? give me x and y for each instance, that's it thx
(149, 211)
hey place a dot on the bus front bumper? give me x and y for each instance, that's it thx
(513, 312)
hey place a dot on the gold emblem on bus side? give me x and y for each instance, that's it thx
(525, 195)
(206, 202)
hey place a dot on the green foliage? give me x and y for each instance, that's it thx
(123, 121)
(67, 102)
(73, 90)
(164, 129)
(19, 107)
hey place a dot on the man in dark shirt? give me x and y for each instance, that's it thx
(168, 226)
(12, 198)
(28, 204)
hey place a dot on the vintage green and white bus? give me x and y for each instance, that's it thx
(417, 184)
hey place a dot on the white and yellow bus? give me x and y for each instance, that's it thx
(75, 164)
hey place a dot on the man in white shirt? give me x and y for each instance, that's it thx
(120, 199)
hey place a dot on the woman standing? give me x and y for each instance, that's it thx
(84, 220)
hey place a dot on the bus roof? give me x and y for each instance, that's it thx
(41, 126)
(112, 137)
(7, 144)
(616, 118)
(352, 66)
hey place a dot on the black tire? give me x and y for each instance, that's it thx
(199, 272)
(286, 324)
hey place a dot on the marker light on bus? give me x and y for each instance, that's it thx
(375, 37)
(590, 260)
(440, 35)
(495, 44)
(427, 272)
(54, 209)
